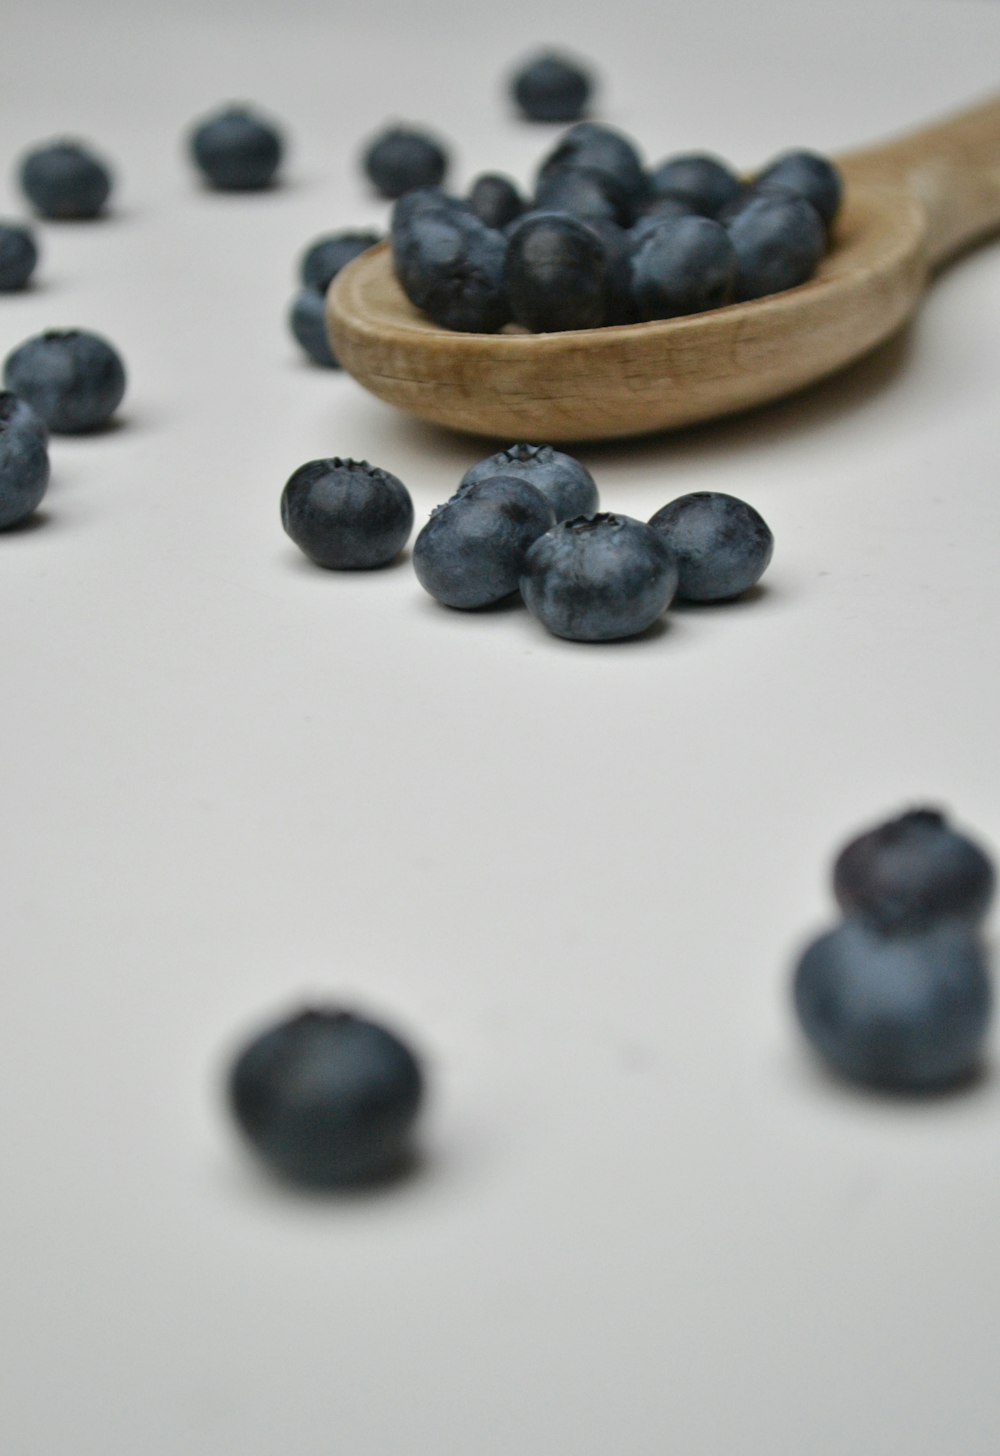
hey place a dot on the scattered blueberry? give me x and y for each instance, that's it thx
(913, 871)
(472, 549)
(684, 266)
(327, 1098)
(704, 182)
(400, 159)
(452, 266)
(779, 241)
(810, 175)
(18, 256)
(74, 379)
(903, 1012)
(552, 88)
(346, 514)
(325, 257)
(237, 150)
(65, 180)
(24, 461)
(604, 150)
(722, 546)
(598, 578)
(564, 482)
(557, 274)
(495, 200)
(307, 320)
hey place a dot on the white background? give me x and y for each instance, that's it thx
(577, 877)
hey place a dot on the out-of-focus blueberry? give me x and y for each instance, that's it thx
(346, 515)
(236, 150)
(580, 191)
(451, 265)
(18, 256)
(812, 176)
(15, 411)
(685, 265)
(495, 200)
(327, 1098)
(324, 258)
(618, 254)
(604, 150)
(722, 545)
(557, 274)
(903, 1012)
(24, 462)
(598, 578)
(307, 321)
(471, 551)
(703, 181)
(550, 87)
(912, 871)
(564, 482)
(74, 379)
(402, 158)
(779, 241)
(662, 209)
(65, 180)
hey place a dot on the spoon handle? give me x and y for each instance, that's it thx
(952, 167)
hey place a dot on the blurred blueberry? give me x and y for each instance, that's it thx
(580, 191)
(24, 462)
(74, 379)
(17, 411)
(471, 551)
(495, 200)
(324, 258)
(564, 482)
(550, 87)
(451, 265)
(606, 151)
(683, 266)
(779, 241)
(18, 256)
(557, 274)
(722, 545)
(703, 181)
(402, 158)
(346, 515)
(65, 180)
(812, 176)
(307, 321)
(237, 150)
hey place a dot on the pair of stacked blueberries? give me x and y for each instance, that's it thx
(528, 519)
(62, 181)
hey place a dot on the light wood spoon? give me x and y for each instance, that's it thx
(909, 207)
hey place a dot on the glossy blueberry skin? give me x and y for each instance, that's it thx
(552, 88)
(602, 149)
(74, 379)
(495, 200)
(401, 158)
(557, 274)
(598, 578)
(18, 412)
(24, 462)
(307, 321)
(779, 241)
(912, 872)
(722, 545)
(564, 482)
(812, 176)
(236, 150)
(472, 549)
(686, 265)
(899, 1012)
(346, 515)
(324, 258)
(451, 265)
(18, 256)
(327, 1099)
(65, 180)
(701, 180)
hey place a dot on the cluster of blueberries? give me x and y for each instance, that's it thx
(528, 519)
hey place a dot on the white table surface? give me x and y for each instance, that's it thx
(577, 877)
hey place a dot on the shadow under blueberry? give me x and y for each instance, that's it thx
(762, 592)
(300, 565)
(407, 1172)
(35, 522)
(975, 1083)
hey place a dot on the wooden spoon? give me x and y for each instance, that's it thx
(909, 207)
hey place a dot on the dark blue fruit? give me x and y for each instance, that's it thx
(663, 209)
(237, 150)
(307, 320)
(564, 482)
(810, 175)
(598, 578)
(324, 258)
(618, 248)
(24, 461)
(721, 545)
(686, 265)
(779, 241)
(552, 88)
(17, 411)
(580, 191)
(74, 379)
(557, 274)
(471, 551)
(327, 1098)
(400, 159)
(451, 265)
(495, 200)
(601, 149)
(18, 256)
(903, 1012)
(65, 180)
(346, 514)
(704, 182)
(913, 871)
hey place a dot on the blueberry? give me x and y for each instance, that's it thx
(471, 551)
(618, 249)
(703, 181)
(24, 461)
(902, 1012)
(685, 265)
(65, 180)
(495, 200)
(325, 257)
(400, 159)
(307, 321)
(601, 149)
(74, 379)
(346, 514)
(563, 481)
(552, 88)
(810, 175)
(557, 274)
(598, 578)
(17, 411)
(913, 871)
(327, 1098)
(18, 256)
(452, 266)
(779, 241)
(237, 150)
(722, 546)
(580, 191)
(662, 209)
